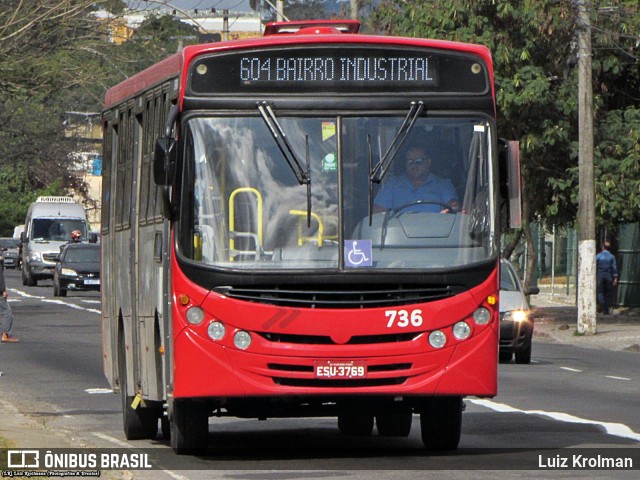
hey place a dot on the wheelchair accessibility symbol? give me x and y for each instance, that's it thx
(357, 253)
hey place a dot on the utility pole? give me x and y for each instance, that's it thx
(225, 24)
(355, 7)
(587, 304)
(280, 10)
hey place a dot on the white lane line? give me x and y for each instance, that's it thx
(71, 305)
(58, 302)
(25, 294)
(616, 429)
(98, 391)
(569, 369)
(113, 440)
(120, 443)
(618, 378)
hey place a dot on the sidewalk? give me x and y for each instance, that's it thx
(556, 321)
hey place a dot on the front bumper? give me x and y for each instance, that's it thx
(515, 336)
(80, 283)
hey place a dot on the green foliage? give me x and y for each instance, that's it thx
(534, 48)
(16, 194)
(55, 57)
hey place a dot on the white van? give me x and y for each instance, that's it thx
(48, 226)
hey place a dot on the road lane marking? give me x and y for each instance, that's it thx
(618, 378)
(113, 440)
(120, 443)
(58, 302)
(98, 391)
(71, 305)
(615, 429)
(569, 369)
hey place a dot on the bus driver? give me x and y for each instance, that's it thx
(417, 188)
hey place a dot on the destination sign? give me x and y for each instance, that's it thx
(352, 69)
(339, 69)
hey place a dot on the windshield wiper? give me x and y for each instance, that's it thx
(377, 173)
(277, 132)
(382, 167)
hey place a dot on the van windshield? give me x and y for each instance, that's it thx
(54, 229)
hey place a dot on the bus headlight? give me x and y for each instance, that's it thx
(461, 330)
(437, 339)
(482, 316)
(216, 330)
(195, 315)
(242, 340)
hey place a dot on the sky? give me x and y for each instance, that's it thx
(233, 5)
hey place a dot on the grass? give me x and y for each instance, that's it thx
(5, 443)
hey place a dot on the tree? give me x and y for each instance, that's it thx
(302, 10)
(35, 38)
(55, 57)
(533, 45)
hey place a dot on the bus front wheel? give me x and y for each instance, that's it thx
(441, 423)
(189, 423)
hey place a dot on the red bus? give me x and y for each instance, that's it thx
(260, 256)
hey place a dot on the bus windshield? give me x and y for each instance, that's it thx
(245, 207)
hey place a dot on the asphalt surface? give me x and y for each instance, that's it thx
(556, 322)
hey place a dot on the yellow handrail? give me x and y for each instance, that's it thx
(232, 220)
(301, 216)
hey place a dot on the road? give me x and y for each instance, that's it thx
(567, 398)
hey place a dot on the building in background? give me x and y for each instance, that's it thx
(213, 24)
(85, 128)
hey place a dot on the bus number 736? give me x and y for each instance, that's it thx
(402, 318)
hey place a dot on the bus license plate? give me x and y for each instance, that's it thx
(331, 369)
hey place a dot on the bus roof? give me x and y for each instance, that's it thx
(173, 66)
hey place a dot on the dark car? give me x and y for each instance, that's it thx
(78, 269)
(516, 318)
(10, 252)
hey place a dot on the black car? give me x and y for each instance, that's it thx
(516, 318)
(10, 252)
(78, 269)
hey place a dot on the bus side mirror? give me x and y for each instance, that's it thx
(24, 238)
(164, 161)
(510, 187)
(93, 237)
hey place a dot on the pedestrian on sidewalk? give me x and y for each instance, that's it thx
(607, 277)
(6, 315)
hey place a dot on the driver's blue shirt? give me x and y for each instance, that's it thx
(398, 191)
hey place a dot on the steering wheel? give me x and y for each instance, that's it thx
(449, 209)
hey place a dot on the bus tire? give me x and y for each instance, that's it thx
(189, 423)
(139, 423)
(355, 424)
(441, 423)
(394, 424)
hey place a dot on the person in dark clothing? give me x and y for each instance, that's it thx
(606, 276)
(6, 315)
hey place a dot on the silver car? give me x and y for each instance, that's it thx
(10, 252)
(516, 318)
